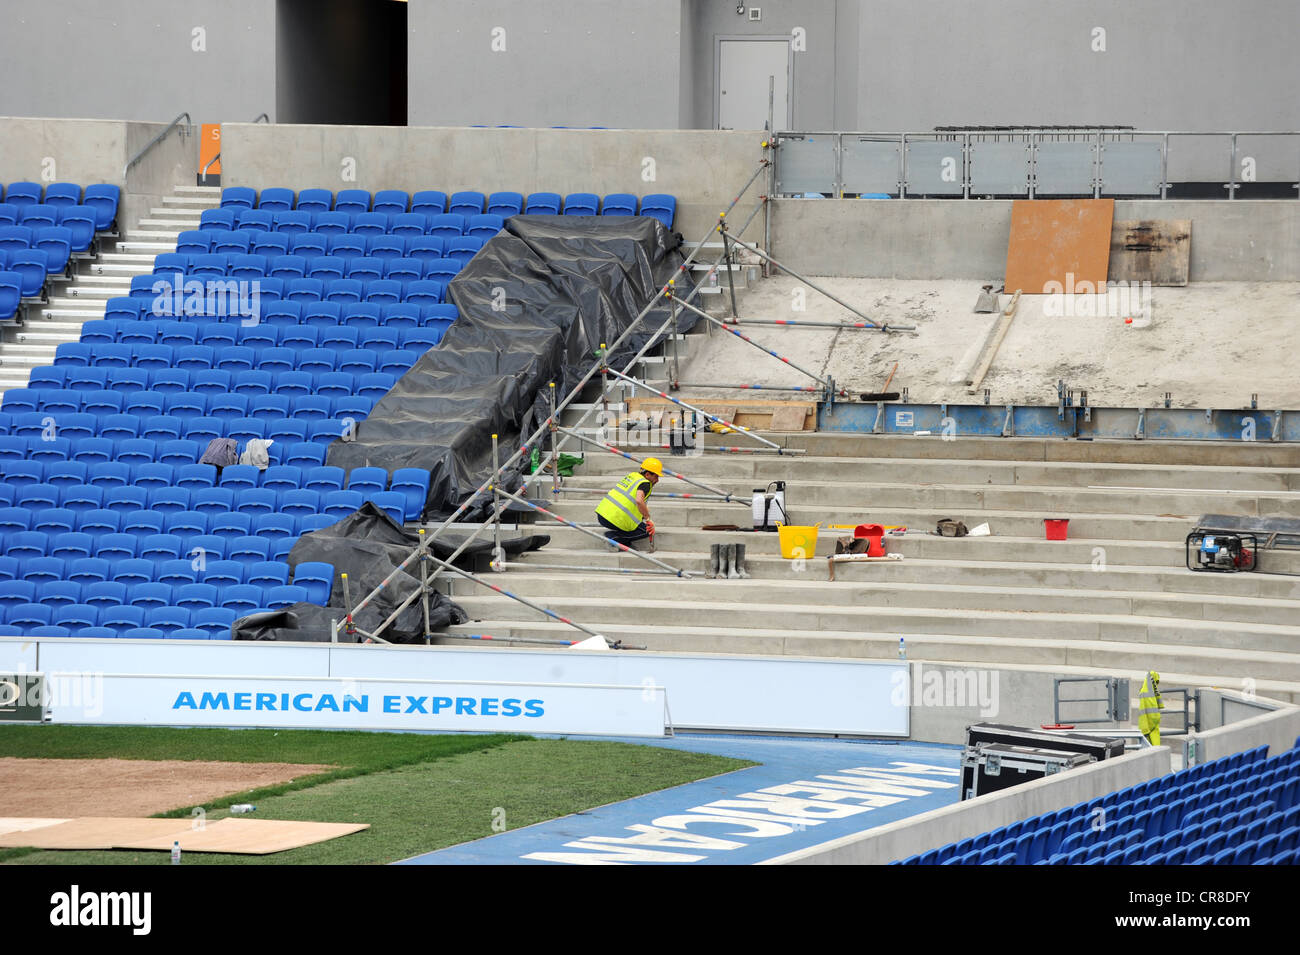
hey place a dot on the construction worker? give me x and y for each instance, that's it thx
(1149, 707)
(624, 511)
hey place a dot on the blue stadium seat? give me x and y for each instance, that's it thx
(352, 201)
(278, 598)
(103, 198)
(619, 204)
(661, 206)
(485, 226)
(447, 226)
(275, 200)
(333, 223)
(315, 200)
(317, 578)
(238, 197)
(214, 622)
(268, 244)
(429, 203)
(466, 203)
(299, 503)
(391, 201)
(291, 223)
(581, 204)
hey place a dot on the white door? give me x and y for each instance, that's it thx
(743, 69)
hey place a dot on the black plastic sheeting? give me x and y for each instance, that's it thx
(367, 545)
(535, 305)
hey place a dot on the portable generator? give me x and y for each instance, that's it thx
(1221, 553)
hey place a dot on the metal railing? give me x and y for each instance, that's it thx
(185, 131)
(217, 158)
(1023, 162)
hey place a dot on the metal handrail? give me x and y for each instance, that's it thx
(189, 123)
(217, 158)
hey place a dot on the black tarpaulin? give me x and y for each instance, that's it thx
(535, 305)
(367, 545)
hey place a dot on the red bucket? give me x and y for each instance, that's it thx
(1057, 528)
(873, 533)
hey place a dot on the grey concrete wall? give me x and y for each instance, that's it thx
(1015, 697)
(1277, 730)
(135, 59)
(814, 85)
(898, 840)
(703, 169)
(580, 63)
(1246, 241)
(1168, 64)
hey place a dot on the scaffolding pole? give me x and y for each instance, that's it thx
(676, 572)
(623, 454)
(846, 326)
(883, 326)
(702, 413)
(525, 447)
(723, 499)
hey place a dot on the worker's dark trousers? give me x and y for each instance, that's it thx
(638, 533)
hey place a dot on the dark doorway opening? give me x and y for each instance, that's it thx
(341, 62)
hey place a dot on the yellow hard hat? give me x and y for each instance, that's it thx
(654, 466)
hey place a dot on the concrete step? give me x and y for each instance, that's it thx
(812, 591)
(150, 246)
(1202, 666)
(170, 213)
(193, 200)
(170, 222)
(596, 613)
(918, 570)
(154, 235)
(959, 472)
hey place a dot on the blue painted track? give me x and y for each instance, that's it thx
(729, 819)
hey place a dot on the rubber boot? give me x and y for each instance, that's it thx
(715, 557)
(739, 564)
(731, 562)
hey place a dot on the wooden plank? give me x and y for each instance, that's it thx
(1150, 250)
(788, 419)
(96, 832)
(251, 836)
(1057, 243)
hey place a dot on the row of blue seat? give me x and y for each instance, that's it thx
(412, 224)
(175, 268)
(246, 298)
(78, 220)
(245, 547)
(78, 487)
(431, 200)
(234, 359)
(417, 338)
(68, 484)
(54, 242)
(90, 528)
(103, 198)
(243, 600)
(1162, 809)
(282, 314)
(107, 593)
(112, 422)
(339, 244)
(213, 570)
(146, 388)
(101, 451)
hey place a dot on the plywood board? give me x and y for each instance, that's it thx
(788, 419)
(95, 832)
(1058, 243)
(1150, 250)
(251, 836)
(755, 414)
(237, 835)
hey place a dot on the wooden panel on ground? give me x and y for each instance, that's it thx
(789, 418)
(252, 836)
(1057, 243)
(1150, 250)
(756, 413)
(242, 836)
(23, 824)
(95, 832)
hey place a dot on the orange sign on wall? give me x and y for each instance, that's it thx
(210, 149)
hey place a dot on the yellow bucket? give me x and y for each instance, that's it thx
(797, 542)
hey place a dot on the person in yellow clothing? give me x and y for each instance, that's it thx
(1149, 707)
(625, 511)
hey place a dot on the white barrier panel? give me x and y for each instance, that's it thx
(725, 692)
(764, 694)
(312, 703)
(16, 655)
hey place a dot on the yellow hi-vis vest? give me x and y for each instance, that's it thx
(1149, 706)
(619, 505)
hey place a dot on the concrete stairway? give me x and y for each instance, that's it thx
(1115, 598)
(80, 298)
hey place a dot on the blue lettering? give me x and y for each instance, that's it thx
(392, 704)
(265, 701)
(488, 707)
(243, 701)
(304, 707)
(510, 708)
(533, 708)
(284, 702)
(352, 703)
(185, 700)
(415, 704)
(326, 702)
(465, 706)
(439, 703)
(214, 701)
